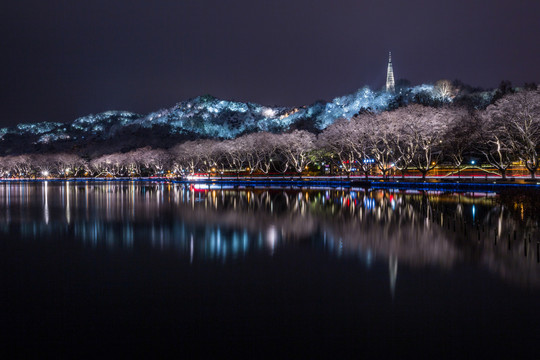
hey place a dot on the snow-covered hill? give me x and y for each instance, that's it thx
(201, 117)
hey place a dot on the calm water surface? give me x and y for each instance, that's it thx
(122, 268)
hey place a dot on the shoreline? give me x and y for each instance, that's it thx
(462, 184)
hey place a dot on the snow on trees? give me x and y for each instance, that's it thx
(248, 148)
(422, 129)
(445, 90)
(519, 116)
(339, 139)
(495, 143)
(382, 130)
(266, 148)
(257, 151)
(189, 156)
(234, 155)
(60, 164)
(410, 137)
(461, 136)
(296, 147)
(108, 165)
(70, 164)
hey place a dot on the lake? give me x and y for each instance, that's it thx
(128, 268)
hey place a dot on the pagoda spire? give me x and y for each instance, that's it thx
(390, 84)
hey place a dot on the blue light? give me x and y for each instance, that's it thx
(210, 117)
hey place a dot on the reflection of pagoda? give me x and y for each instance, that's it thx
(390, 84)
(392, 269)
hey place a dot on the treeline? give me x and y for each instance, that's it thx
(412, 137)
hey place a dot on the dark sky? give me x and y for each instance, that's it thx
(64, 59)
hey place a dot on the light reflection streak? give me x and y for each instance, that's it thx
(46, 204)
(68, 211)
(271, 238)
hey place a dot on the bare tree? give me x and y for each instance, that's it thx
(257, 151)
(234, 155)
(248, 148)
(339, 139)
(520, 114)
(267, 147)
(383, 130)
(64, 164)
(361, 141)
(108, 165)
(424, 128)
(405, 145)
(209, 155)
(21, 165)
(495, 143)
(189, 156)
(296, 148)
(462, 134)
(445, 90)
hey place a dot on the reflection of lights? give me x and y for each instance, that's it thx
(369, 258)
(191, 249)
(271, 237)
(250, 229)
(369, 203)
(201, 187)
(46, 205)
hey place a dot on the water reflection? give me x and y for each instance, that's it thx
(408, 228)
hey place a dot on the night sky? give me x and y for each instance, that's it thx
(65, 59)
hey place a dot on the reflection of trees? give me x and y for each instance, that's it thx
(372, 222)
(401, 227)
(418, 229)
(253, 210)
(489, 232)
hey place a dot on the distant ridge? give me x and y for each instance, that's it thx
(201, 117)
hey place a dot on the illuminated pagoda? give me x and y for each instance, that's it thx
(390, 84)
